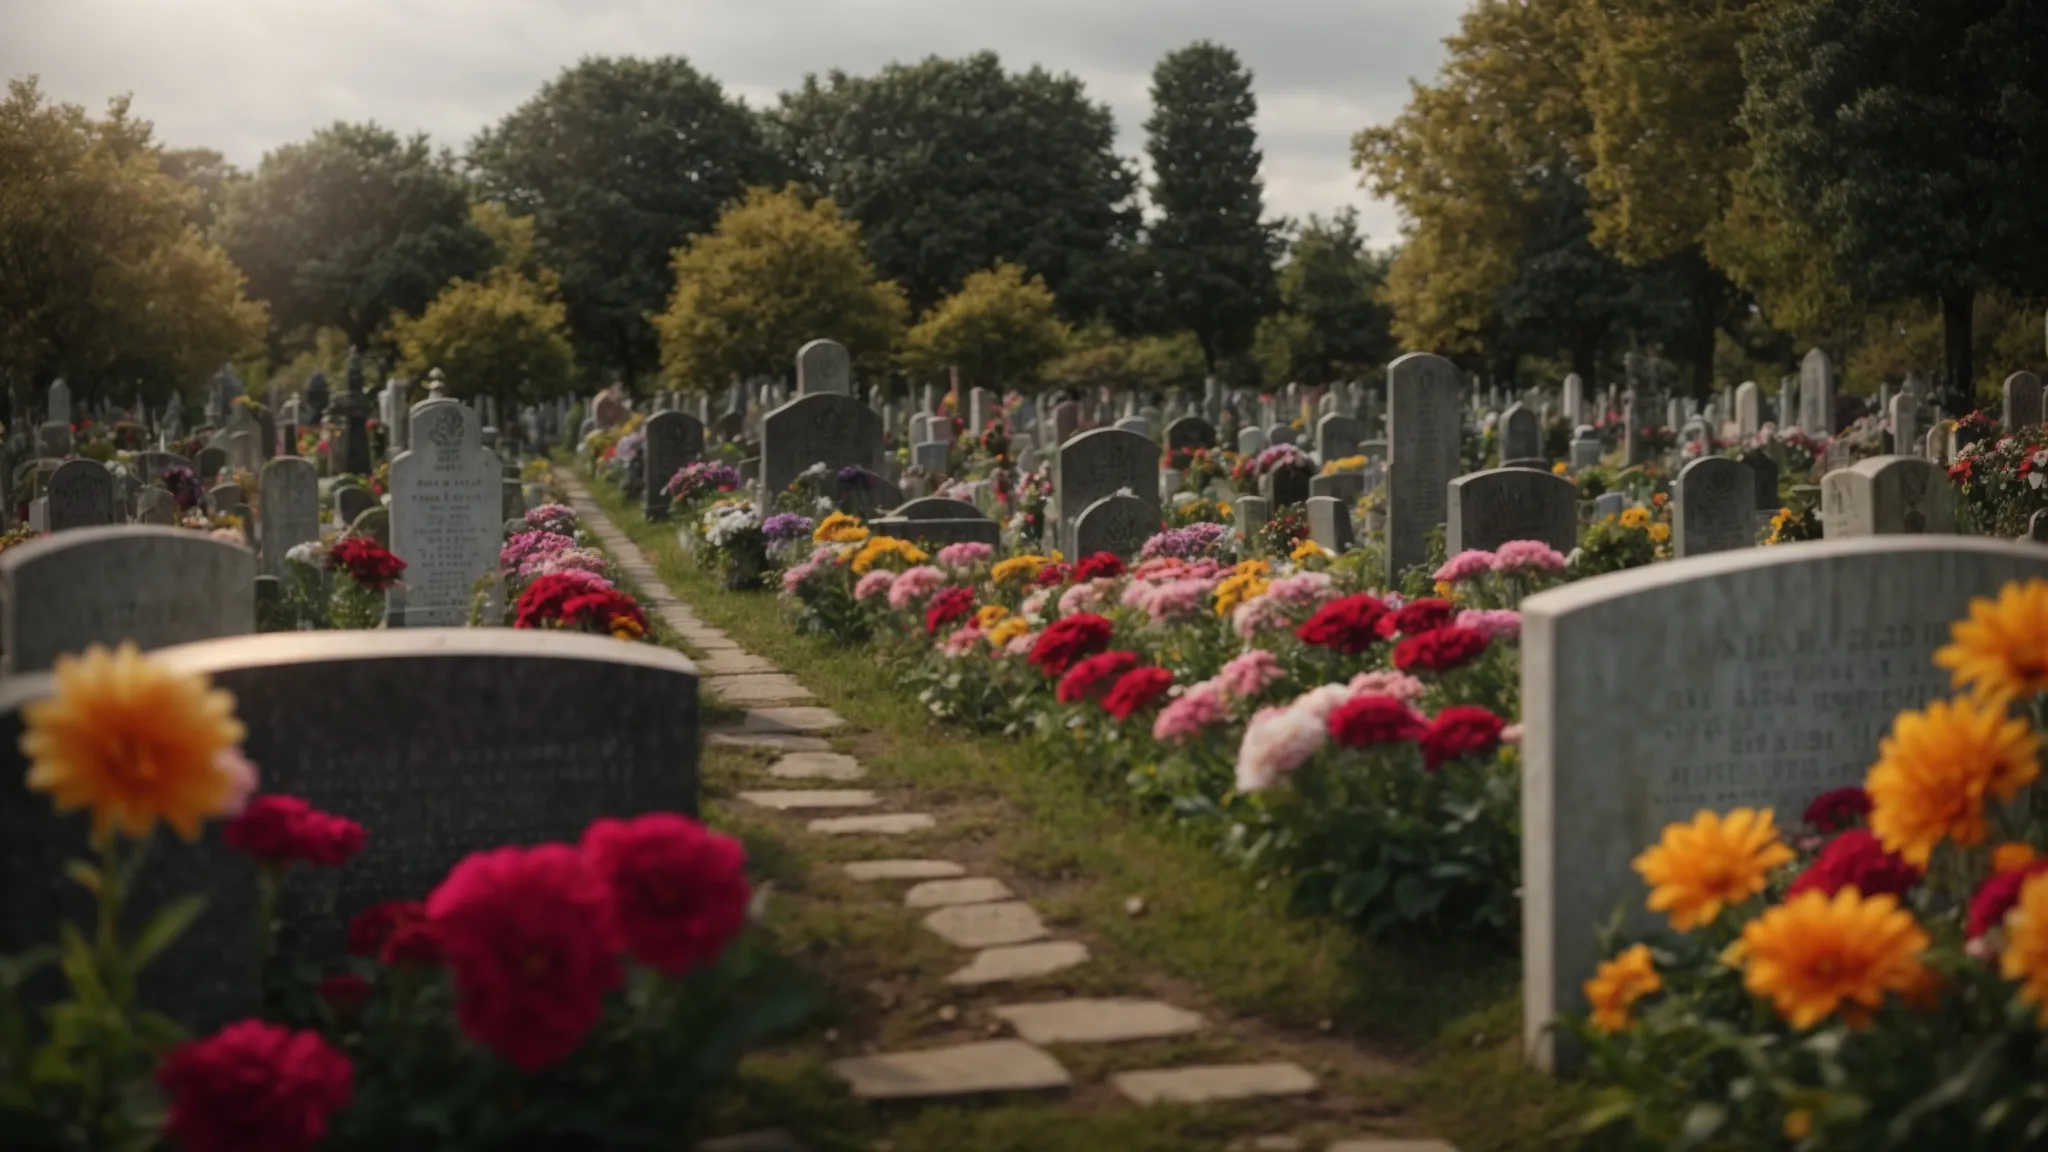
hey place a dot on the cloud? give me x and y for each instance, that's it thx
(244, 76)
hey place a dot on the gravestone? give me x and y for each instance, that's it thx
(152, 585)
(1345, 486)
(1887, 496)
(1285, 487)
(1329, 523)
(1521, 434)
(1137, 424)
(931, 455)
(458, 760)
(54, 440)
(2037, 527)
(446, 505)
(983, 408)
(211, 461)
(1251, 514)
(1116, 524)
(1765, 486)
(1097, 464)
(1066, 421)
(2022, 396)
(156, 506)
(1904, 412)
(1609, 504)
(1586, 450)
(1713, 505)
(933, 522)
(1189, 433)
(1817, 394)
(58, 410)
(863, 493)
(1574, 399)
(823, 367)
(1490, 508)
(374, 523)
(1338, 437)
(1748, 409)
(1251, 441)
(81, 495)
(819, 428)
(291, 509)
(1423, 426)
(1280, 434)
(349, 502)
(1759, 678)
(674, 439)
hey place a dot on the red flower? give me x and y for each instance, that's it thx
(253, 1087)
(1053, 574)
(279, 830)
(679, 890)
(1441, 650)
(1136, 691)
(1416, 617)
(1838, 808)
(1856, 857)
(1349, 625)
(1996, 896)
(1087, 679)
(366, 561)
(529, 935)
(949, 605)
(1364, 721)
(371, 927)
(1457, 732)
(413, 943)
(345, 993)
(1097, 567)
(1068, 639)
(581, 600)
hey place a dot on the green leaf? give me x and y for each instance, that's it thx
(85, 873)
(164, 928)
(1357, 890)
(1415, 897)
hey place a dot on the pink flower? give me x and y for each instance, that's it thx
(1247, 675)
(1465, 566)
(1512, 734)
(1497, 623)
(1525, 556)
(1178, 599)
(1285, 603)
(875, 583)
(1399, 685)
(241, 773)
(1020, 645)
(1276, 742)
(962, 641)
(1033, 607)
(964, 555)
(914, 586)
(1186, 717)
(792, 577)
(1086, 597)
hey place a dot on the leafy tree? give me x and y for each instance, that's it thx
(772, 275)
(208, 173)
(619, 162)
(951, 166)
(505, 335)
(102, 279)
(1332, 324)
(1910, 140)
(1100, 358)
(350, 226)
(999, 330)
(1210, 252)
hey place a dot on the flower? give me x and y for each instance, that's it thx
(880, 548)
(579, 600)
(786, 526)
(1308, 549)
(913, 585)
(876, 583)
(1443, 650)
(1637, 517)
(2001, 651)
(964, 555)
(530, 937)
(1069, 639)
(1457, 732)
(1368, 721)
(367, 562)
(1399, 685)
(839, 528)
(947, 607)
(1276, 742)
(1527, 556)
(1016, 572)
(1100, 566)
(280, 830)
(962, 641)
(1009, 629)
(1618, 984)
(1698, 868)
(135, 742)
(1137, 690)
(1237, 589)
(2012, 856)
(1937, 766)
(1464, 566)
(1836, 809)
(1349, 625)
(989, 615)
(679, 891)
(1660, 531)
(1201, 539)
(2025, 956)
(1856, 858)
(1249, 673)
(396, 932)
(1496, 623)
(1997, 895)
(1188, 715)
(525, 547)
(253, 1085)
(1093, 676)
(344, 993)
(1814, 954)
(1426, 614)
(556, 518)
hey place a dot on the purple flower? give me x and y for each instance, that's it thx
(694, 480)
(855, 476)
(559, 519)
(184, 486)
(527, 545)
(784, 526)
(1191, 542)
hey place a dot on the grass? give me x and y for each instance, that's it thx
(1414, 1035)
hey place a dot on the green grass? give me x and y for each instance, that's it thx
(1415, 1035)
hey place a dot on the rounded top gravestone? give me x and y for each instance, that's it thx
(1117, 524)
(824, 366)
(144, 583)
(1713, 507)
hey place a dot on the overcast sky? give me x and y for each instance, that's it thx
(243, 76)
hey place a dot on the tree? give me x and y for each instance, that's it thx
(774, 274)
(1099, 358)
(1910, 140)
(207, 173)
(619, 162)
(349, 227)
(505, 335)
(951, 166)
(999, 330)
(102, 279)
(1332, 324)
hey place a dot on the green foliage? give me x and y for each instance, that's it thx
(1101, 358)
(951, 166)
(207, 173)
(619, 162)
(999, 330)
(1332, 325)
(505, 335)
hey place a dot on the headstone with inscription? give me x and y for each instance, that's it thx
(445, 513)
(817, 428)
(1097, 464)
(1886, 496)
(1329, 523)
(1521, 434)
(1116, 524)
(81, 495)
(1338, 437)
(1490, 508)
(2022, 401)
(674, 439)
(1713, 506)
(1423, 425)
(1189, 433)
(291, 509)
(823, 366)
(143, 583)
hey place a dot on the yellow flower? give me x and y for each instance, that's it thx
(2001, 651)
(1660, 532)
(880, 548)
(2012, 857)
(1235, 590)
(839, 528)
(1017, 570)
(136, 742)
(626, 628)
(1619, 983)
(2026, 944)
(1779, 519)
(1224, 509)
(989, 615)
(1445, 590)
(1308, 550)
(1011, 628)
(1935, 769)
(1814, 955)
(1558, 469)
(1635, 518)
(1253, 568)
(1698, 868)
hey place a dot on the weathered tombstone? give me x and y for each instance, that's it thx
(291, 509)
(1764, 488)
(211, 461)
(349, 502)
(139, 582)
(1338, 437)
(818, 428)
(864, 493)
(224, 496)
(2037, 527)
(673, 440)
(1817, 394)
(1490, 508)
(1748, 409)
(1329, 523)
(1574, 399)
(1713, 505)
(446, 505)
(1251, 441)
(59, 406)
(1904, 413)
(81, 495)
(1423, 426)
(1189, 433)
(1609, 504)
(823, 366)
(2022, 396)
(1521, 434)
(1886, 496)
(156, 506)
(1117, 524)
(983, 409)
(1586, 450)
(1097, 464)
(1345, 486)
(934, 521)
(1280, 434)
(1785, 666)
(1285, 487)
(374, 523)
(1251, 514)
(54, 440)
(931, 455)
(1136, 424)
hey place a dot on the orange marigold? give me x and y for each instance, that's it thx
(1937, 767)
(1815, 954)
(2026, 944)
(1699, 868)
(1618, 984)
(2001, 651)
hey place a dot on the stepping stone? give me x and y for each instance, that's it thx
(766, 1140)
(733, 662)
(880, 824)
(962, 1070)
(796, 799)
(766, 688)
(816, 766)
(987, 925)
(778, 740)
(1378, 1145)
(902, 869)
(797, 719)
(1098, 1021)
(944, 893)
(1203, 1083)
(1020, 962)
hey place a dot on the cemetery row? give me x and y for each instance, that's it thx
(1513, 700)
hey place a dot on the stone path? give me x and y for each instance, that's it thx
(1002, 937)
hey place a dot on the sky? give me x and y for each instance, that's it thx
(244, 76)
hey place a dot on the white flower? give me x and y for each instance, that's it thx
(312, 553)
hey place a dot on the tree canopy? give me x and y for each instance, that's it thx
(1331, 324)
(999, 330)
(505, 334)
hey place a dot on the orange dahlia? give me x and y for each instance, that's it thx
(2001, 651)
(1814, 954)
(2026, 944)
(1699, 868)
(1618, 984)
(1937, 767)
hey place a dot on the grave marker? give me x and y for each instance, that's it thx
(80, 495)
(446, 507)
(1713, 506)
(819, 428)
(1116, 524)
(674, 439)
(1887, 496)
(1423, 425)
(291, 509)
(823, 367)
(152, 585)
(1490, 508)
